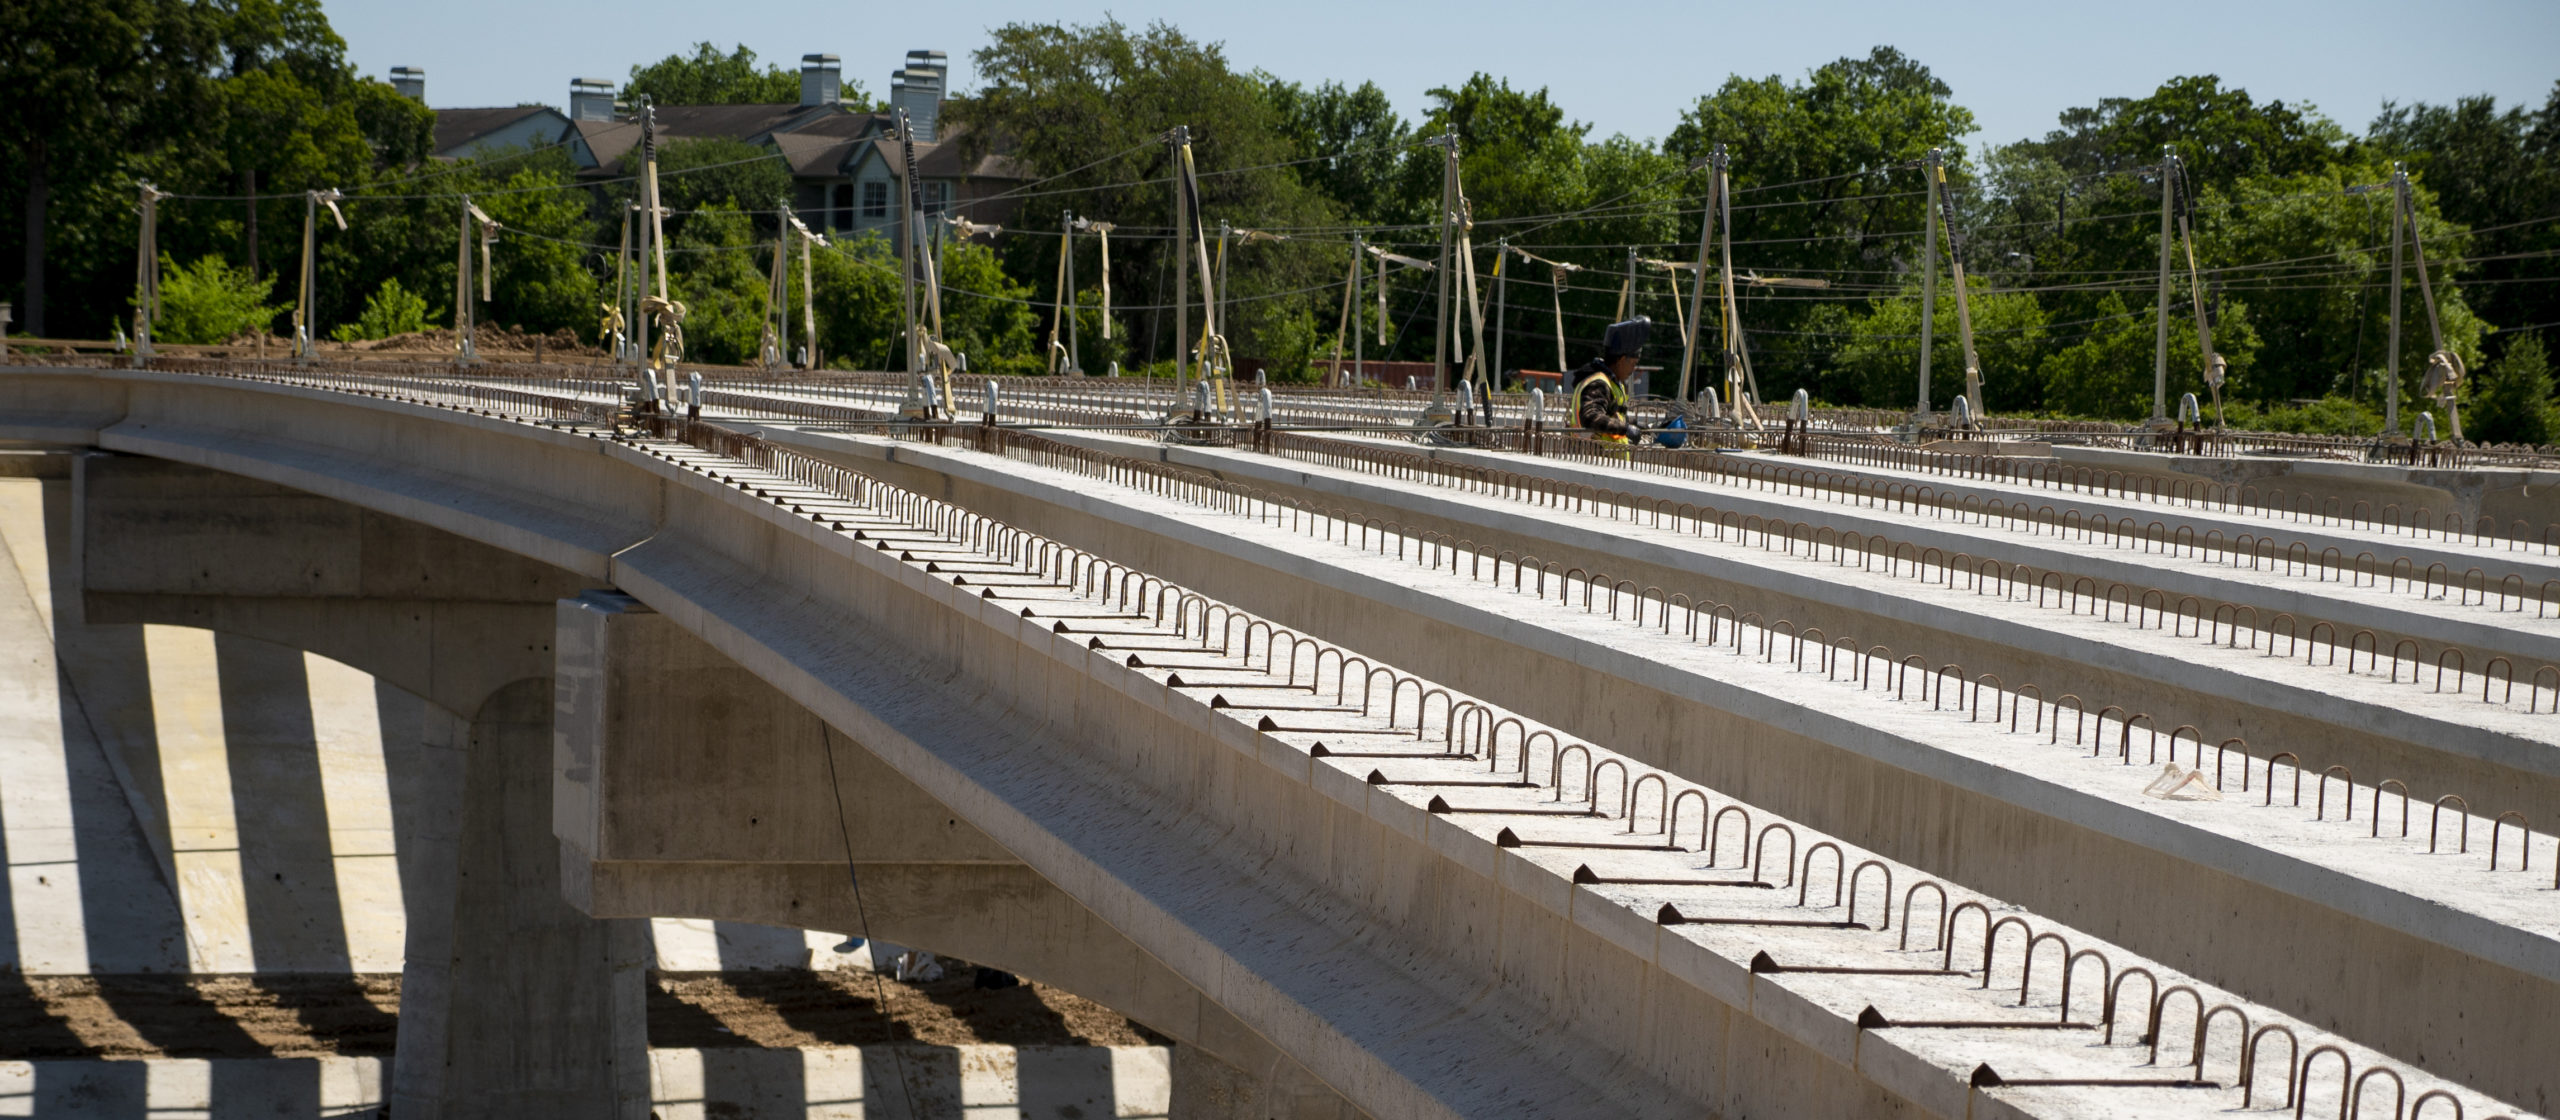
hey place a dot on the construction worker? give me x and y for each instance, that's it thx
(1600, 385)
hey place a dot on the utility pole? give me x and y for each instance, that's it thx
(462, 287)
(1359, 332)
(1180, 138)
(1501, 303)
(1928, 275)
(809, 241)
(1627, 288)
(1698, 281)
(1075, 363)
(2160, 343)
(907, 256)
(2391, 372)
(147, 275)
(1440, 334)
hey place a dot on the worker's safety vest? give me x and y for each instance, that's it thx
(1617, 396)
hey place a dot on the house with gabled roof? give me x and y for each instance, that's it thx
(845, 168)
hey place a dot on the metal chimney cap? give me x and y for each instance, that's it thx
(820, 59)
(594, 83)
(407, 72)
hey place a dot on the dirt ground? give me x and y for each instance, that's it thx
(150, 1016)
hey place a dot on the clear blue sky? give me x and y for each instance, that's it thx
(2015, 64)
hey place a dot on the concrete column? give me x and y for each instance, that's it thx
(514, 1002)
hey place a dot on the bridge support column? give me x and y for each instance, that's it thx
(513, 1002)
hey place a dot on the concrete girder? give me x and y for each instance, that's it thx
(686, 786)
(2459, 994)
(574, 502)
(471, 628)
(749, 594)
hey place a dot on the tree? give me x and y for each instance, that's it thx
(84, 86)
(1880, 365)
(1830, 167)
(290, 114)
(722, 286)
(2496, 172)
(212, 301)
(1353, 139)
(2108, 369)
(391, 310)
(701, 173)
(2323, 313)
(2514, 404)
(543, 266)
(1056, 95)
(708, 77)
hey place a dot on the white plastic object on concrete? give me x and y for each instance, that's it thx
(1963, 412)
(1538, 403)
(2189, 412)
(2427, 426)
(1265, 394)
(994, 398)
(1801, 408)
(693, 387)
(2177, 783)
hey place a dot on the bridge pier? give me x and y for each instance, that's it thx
(513, 1003)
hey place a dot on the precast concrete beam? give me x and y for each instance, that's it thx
(2500, 757)
(2471, 968)
(686, 786)
(2480, 629)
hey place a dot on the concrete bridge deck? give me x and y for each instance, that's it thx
(2495, 755)
(1226, 852)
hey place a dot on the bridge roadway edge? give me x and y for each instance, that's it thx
(443, 501)
(2394, 971)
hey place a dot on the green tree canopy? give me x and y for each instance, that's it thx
(1087, 105)
(708, 77)
(1825, 174)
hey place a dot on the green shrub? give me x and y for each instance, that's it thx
(391, 310)
(2513, 404)
(212, 302)
(2330, 416)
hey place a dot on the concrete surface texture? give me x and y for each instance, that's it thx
(1334, 880)
(184, 801)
